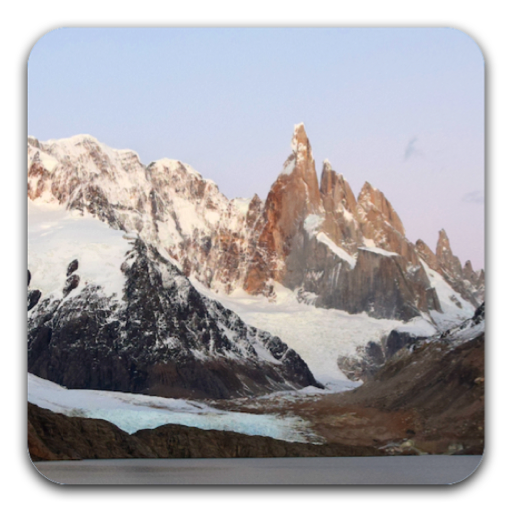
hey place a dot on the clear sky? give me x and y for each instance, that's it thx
(400, 108)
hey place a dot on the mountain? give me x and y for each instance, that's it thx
(314, 237)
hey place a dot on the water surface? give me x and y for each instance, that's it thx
(425, 469)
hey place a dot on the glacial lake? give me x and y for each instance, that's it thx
(408, 470)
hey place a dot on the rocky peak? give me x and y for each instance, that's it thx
(300, 142)
(469, 274)
(32, 141)
(340, 224)
(450, 263)
(465, 281)
(293, 196)
(427, 255)
(335, 190)
(299, 174)
(304, 235)
(373, 205)
(381, 226)
(468, 268)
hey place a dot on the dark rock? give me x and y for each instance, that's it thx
(479, 315)
(72, 267)
(33, 298)
(72, 282)
(397, 340)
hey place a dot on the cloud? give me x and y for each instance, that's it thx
(477, 196)
(411, 150)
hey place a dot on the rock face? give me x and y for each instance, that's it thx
(313, 237)
(161, 338)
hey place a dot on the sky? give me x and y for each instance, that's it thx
(401, 108)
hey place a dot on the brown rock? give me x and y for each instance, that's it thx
(427, 255)
(341, 224)
(294, 195)
(450, 263)
(53, 436)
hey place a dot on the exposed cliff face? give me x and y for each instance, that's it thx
(318, 239)
(280, 237)
(340, 206)
(310, 237)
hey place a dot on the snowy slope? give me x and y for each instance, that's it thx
(319, 335)
(455, 308)
(134, 322)
(57, 236)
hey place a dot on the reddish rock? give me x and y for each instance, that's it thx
(294, 195)
(427, 255)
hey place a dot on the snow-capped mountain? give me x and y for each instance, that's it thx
(109, 311)
(315, 238)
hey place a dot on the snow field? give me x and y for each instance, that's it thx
(57, 236)
(318, 335)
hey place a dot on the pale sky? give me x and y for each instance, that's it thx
(400, 108)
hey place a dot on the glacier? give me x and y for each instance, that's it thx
(133, 412)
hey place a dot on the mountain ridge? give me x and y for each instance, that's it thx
(310, 235)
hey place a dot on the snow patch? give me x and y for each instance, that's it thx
(48, 162)
(455, 308)
(418, 326)
(378, 250)
(241, 205)
(341, 253)
(312, 223)
(289, 166)
(176, 165)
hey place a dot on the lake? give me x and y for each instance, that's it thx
(424, 469)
